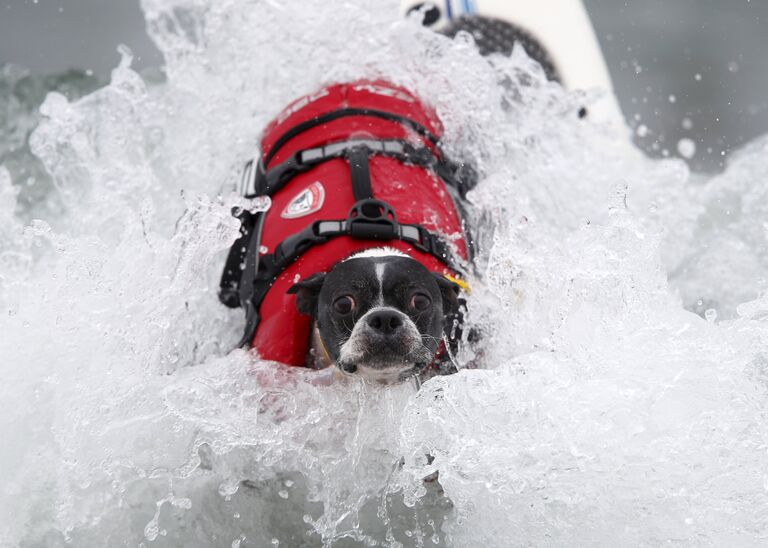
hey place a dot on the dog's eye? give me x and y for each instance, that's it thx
(344, 305)
(420, 301)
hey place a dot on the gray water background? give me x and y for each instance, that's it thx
(693, 69)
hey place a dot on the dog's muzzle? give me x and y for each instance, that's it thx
(384, 343)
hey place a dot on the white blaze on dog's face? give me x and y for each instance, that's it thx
(380, 313)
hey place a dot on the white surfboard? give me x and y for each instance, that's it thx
(561, 27)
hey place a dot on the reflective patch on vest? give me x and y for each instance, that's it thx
(306, 202)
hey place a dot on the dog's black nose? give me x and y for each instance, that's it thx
(386, 321)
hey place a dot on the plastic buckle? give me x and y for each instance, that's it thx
(421, 156)
(249, 177)
(280, 174)
(425, 241)
(373, 219)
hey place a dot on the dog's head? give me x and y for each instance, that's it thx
(380, 313)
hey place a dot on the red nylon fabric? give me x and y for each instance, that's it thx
(416, 195)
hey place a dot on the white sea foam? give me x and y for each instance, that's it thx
(609, 412)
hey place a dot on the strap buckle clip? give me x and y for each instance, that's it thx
(372, 219)
(424, 243)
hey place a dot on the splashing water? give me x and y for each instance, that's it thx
(607, 412)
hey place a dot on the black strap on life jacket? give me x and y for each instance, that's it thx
(248, 275)
(259, 182)
(360, 173)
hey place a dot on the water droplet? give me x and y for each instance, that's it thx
(686, 148)
(229, 487)
(151, 530)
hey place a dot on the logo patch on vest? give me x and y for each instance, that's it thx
(305, 202)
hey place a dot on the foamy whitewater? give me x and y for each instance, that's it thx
(624, 395)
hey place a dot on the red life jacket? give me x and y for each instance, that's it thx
(350, 167)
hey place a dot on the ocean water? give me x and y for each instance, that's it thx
(623, 393)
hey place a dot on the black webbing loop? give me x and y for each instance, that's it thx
(252, 320)
(360, 173)
(237, 280)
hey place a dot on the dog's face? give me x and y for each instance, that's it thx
(379, 315)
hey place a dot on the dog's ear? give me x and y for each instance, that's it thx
(450, 291)
(307, 292)
(453, 311)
